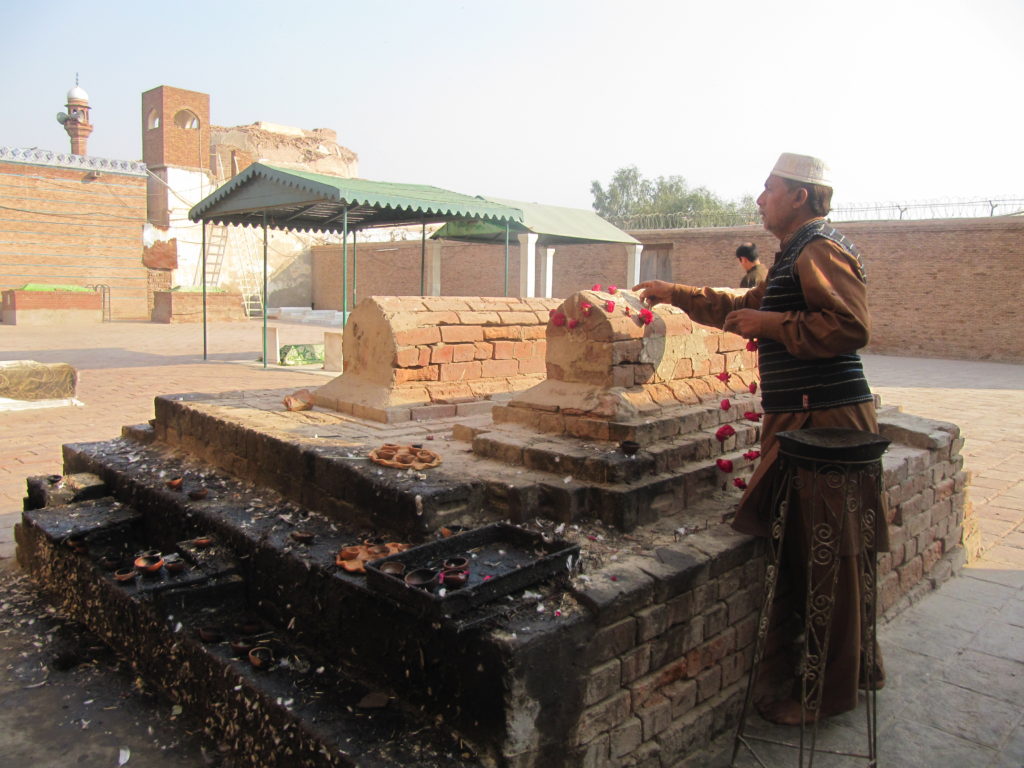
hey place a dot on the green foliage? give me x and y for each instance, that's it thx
(630, 200)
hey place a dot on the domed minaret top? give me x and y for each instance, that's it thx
(77, 123)
(78, 94)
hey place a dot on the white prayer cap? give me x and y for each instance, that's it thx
(803, 168)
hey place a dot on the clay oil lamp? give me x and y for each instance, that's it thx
(405, 458)
(198, 494)
(455, 579)
(149, 565)
(173, 563)
(261, 657)
(392, 567)
(452, 530)
(202, 542)
(456, 563)
(386, 453)
(349, 553)
(210, 634)
(54, 479)
(303, 537)
(124, 575)
(175, 483)
(422, 578)
(629, 447)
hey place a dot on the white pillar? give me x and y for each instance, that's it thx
(527, 264)
(333, 341)
(547, 269)
(273, 346)
(433, 287)
(633, 264)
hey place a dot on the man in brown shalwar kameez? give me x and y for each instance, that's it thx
(809, 318)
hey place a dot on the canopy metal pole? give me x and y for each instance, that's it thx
(344, 267)
(355, 256)
(423, 257)
(264, 289)
(506, 257)
(204, 289)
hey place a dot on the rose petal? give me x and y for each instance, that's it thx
(558, 319)
(609, 306)
(751, 455)
(724, 464)
(725, 432)
(740, 483)
(596, 287)
(724, 376)
(726, 405)
(752, 346)
(573, 323)
(753, 387)
(751, 416)
(612, 289)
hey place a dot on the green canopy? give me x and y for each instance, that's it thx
(553, 224)
(304, 201)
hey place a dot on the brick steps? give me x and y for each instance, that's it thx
(304, 710)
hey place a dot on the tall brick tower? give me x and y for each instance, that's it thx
(175, 128)
(175, 147)
(77, 122)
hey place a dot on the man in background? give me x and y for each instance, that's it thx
(754, 271)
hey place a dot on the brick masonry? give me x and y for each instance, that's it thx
(187, 307)
(70, 228)
(411, 357)
(925, 278)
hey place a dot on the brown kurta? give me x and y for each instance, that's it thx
(835, 322)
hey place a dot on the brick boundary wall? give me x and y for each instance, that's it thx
(50, 307)
(927, 280)
(75, 225)
(187, 307)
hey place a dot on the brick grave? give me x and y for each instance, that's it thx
(636, 658)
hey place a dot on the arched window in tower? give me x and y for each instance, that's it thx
(152, 119)
(187, 119)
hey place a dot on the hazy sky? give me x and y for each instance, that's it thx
(534, 99)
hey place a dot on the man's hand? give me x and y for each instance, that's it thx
(744, 322)
(655, 292)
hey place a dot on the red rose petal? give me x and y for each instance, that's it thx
(725, 432)
(612, 289)
(609, 306)
(596, 287)
(572, 323)
(724, 464)
(724, 376)
(751, 455)
(740, 483)
(726, 405)
(752, 346)
(753, 387)
(751, 416)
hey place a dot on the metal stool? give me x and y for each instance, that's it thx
(836, 473)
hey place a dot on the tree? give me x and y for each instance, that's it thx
(667, 201)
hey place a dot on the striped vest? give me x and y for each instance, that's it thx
(787, 383)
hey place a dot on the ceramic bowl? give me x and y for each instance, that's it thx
(393, 567)
(422, 578)
(261, 656)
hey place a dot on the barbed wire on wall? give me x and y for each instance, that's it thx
(924, 209)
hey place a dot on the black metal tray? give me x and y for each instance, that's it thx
(502, 560)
